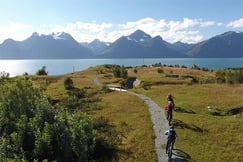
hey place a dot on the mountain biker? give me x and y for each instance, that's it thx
(171, 98)
(172, 135)
(169, 108)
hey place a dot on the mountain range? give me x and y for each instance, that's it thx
(137, 45)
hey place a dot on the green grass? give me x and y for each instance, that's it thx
(127, 113)
(131, 117)
(202, 136)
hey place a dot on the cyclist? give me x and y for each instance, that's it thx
(171, 98)
(169, 108)
(172, 135)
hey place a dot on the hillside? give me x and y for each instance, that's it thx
(193, 89)
(229, 44)
(198, 128)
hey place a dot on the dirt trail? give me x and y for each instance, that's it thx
(160, 125)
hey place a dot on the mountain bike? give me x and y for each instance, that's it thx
(169, 151)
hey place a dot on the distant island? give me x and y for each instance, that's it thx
(137, 45)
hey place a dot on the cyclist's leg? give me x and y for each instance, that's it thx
(172, 143)
(169, 117)
(170, 148)
(168, 145)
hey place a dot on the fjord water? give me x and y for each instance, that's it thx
(64, 66)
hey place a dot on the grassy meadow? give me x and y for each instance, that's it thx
(203, 136)
(126, 113)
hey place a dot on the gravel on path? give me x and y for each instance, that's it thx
(160, 125)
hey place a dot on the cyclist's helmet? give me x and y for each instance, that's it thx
(172, 127)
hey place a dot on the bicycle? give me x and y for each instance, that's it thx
(169, 150)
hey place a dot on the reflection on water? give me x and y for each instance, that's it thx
(58, 67)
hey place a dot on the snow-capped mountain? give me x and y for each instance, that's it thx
(140, 45)
(139, 36)
(136, 45)
(40, 46)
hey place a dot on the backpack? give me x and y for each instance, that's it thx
(172, 134)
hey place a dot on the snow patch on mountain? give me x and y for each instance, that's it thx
(57, 35)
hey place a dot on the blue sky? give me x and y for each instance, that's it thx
(174, 20)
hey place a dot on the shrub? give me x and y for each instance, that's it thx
(135, 71)
(196, 67)
(4, 77)
(119, 71)
(183, 66)
(160, 70)
(68, 83)
(42, 71)
(105, 89)
(31, 129)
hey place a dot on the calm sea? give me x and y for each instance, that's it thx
(64, 66)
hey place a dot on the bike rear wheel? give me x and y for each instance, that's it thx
(170, 148)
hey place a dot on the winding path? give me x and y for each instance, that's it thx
(160, 125)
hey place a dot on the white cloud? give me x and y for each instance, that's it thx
(186, 23)
(16, 27)
(186, 30)
(220, 24)
(82, 32)
(171, 31)
(236, 23)
(17, 31)
(207, 23)
(146, 22)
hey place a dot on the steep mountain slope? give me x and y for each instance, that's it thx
(53, 46)
(182, 47)
(96, 46)
(136, 45)
(229, 44)
(140, 45)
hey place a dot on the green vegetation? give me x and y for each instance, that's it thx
(31, 129)
(42, 71)
(72, 118)
(119, 71)
(203, 135)
(160, 70)
(68, 83)
(68, 118)
(230, 76)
